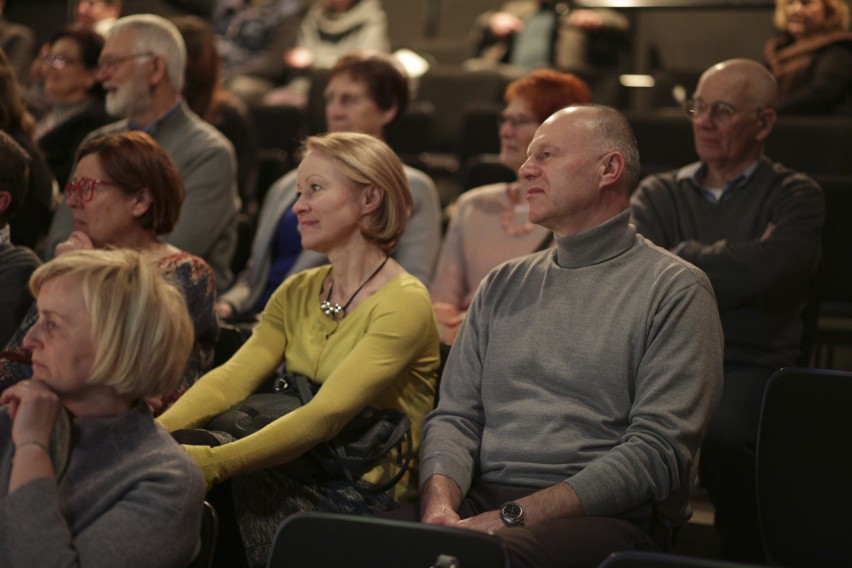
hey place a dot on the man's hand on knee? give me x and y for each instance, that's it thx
(486, 522)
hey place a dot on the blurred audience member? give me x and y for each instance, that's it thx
(812, 57)
(526, 34)
(19, 43)
(491, 223)
(126, 193)
(253, 36)
(365, 93)
(98, 15)
(33, 217)
(86, 477)
(95, 15)
(142, 69)
(330, 30)
(76, 98)
(16, 263)
(208, 98)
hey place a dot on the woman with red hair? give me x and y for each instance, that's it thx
(490, 225)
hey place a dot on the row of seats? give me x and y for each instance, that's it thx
(803, 500)
(436, 122)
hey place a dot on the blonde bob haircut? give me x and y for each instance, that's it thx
(369, 162)
(141, 330)
(836, 15)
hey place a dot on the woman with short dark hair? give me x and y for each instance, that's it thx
(75, 96)
(126, 193)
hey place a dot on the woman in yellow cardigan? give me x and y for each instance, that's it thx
(361, 327)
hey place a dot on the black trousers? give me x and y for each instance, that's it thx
(574, 542)
(727, 467)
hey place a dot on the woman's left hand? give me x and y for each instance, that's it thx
(33, 408)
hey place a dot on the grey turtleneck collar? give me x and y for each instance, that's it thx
(598, 244)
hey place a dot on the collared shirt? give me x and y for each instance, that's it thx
(696, 172)
(4, 235)
(153, 126)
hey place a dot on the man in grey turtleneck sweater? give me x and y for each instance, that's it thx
(581, 383)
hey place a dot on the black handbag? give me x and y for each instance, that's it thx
(371, 437)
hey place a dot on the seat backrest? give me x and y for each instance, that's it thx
(826, 152)
(209, 531)
(328, 540)
(665, 139)
(480, 130)
(453, 91)
(836, 235)
(483, 170)
(804, 465)
(279, 127)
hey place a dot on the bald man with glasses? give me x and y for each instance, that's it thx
(755, 228)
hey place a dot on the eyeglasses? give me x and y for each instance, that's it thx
(721, 113)
(109, 63)
(516, 121)
(59, 61)
(84, 188)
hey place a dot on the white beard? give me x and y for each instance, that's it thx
(128, 98)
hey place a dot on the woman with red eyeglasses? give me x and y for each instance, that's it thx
(127, 193)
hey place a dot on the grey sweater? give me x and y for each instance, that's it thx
(126, 494)
(598, 363)
(761, 285)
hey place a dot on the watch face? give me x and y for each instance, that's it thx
(512, 514)
(511, 511)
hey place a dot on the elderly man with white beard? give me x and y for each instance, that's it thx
(142, 69)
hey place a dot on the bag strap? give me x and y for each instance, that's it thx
(400, 440)
(303, 387)
(405, 456)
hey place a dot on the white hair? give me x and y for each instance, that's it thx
(157, 35)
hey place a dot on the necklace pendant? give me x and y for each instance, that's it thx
(337, 311)
(331, 310)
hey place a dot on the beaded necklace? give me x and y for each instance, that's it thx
(338, 311)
